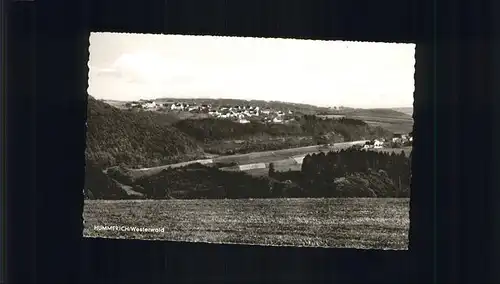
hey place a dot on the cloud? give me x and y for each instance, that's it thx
(107, 72)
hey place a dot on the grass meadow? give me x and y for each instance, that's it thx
(364, 223)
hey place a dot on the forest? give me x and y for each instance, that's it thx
(144, 139)
(322, 175)
(134, 139)
(216, 135)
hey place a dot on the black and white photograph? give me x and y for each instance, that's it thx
(254, 141)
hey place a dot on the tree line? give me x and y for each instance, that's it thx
(319, 172)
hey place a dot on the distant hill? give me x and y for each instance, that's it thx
(134, 139)
(407, 110)
(378, 112)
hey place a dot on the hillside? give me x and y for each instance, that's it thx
(221, 136)
(308, 125)
(98, 185)
(198, 181)
(134, 139)
(220, 129)
(407, 110)
(394, 120)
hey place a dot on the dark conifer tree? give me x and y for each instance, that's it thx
(272, 171)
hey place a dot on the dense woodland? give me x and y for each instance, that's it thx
(134, 139)
(147, 139)
(213, 129)
(276, 105)
(348, 173)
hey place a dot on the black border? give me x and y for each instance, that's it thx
(45, 139)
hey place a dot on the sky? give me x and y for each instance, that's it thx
(325, 73)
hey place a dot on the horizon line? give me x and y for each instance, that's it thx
(319, 106)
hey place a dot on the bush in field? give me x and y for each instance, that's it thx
(272, 171)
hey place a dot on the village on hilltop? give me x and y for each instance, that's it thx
(239, 113)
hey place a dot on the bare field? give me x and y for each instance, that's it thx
(365, 223)
(383, 119)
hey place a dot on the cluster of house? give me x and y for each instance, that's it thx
(242, 114)
(399, 139)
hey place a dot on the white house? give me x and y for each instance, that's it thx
(177, 106)
(244, 121)
(277, 120)
(377, 144)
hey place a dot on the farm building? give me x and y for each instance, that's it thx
(377, 144)
(149, 105)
